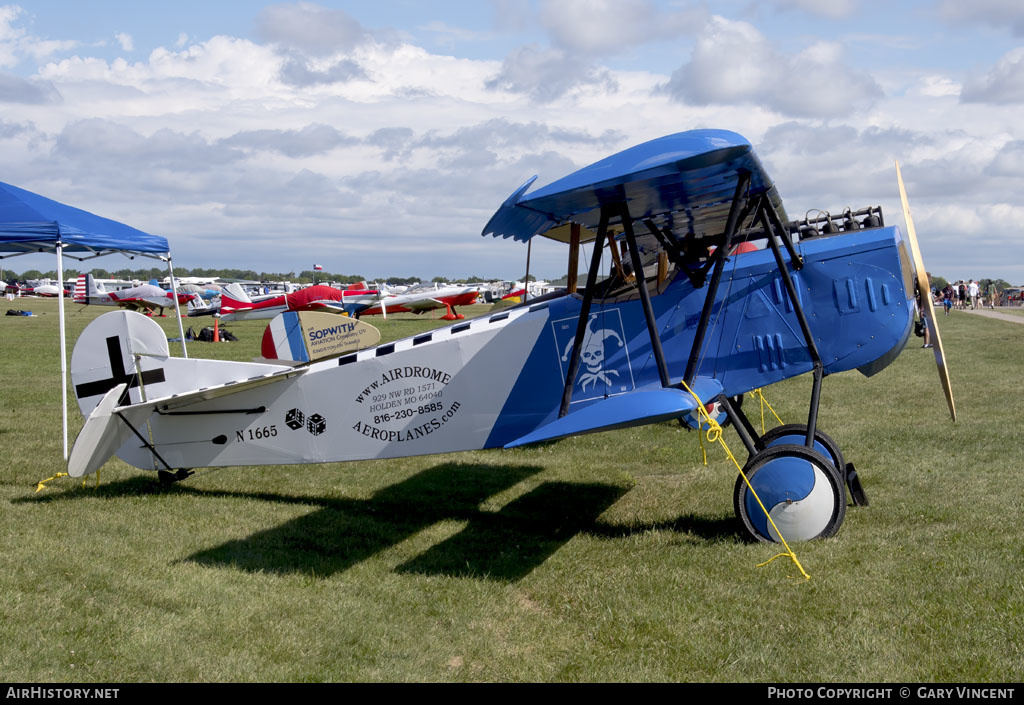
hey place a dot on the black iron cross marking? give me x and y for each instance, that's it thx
(118, 376)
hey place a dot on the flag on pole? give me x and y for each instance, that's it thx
(318, 268)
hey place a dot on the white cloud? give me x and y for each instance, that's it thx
(39, 49)
(831, 9)
(116, 146)
(297, 71)
(998, 14)
(8, 32)
(938, 86)
(16, 42)
(957, 183)
(811, 83)
(311, 29)
(1009, 161)
(125, 40)
(310, 140)
(547, 74)
(447, 34)
(1003, 83)
(608, 26)
(513, 15)
(181, 41)
(17, 90)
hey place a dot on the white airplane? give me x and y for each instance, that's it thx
(447, 297)
(145, 297)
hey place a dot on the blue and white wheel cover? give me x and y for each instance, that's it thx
(797, 494)
(798, 439)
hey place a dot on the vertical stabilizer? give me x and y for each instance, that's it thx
(88, 290)
(234, 298)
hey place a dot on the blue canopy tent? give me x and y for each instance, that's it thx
(30, 223)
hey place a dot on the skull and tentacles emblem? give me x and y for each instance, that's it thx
(593, 354)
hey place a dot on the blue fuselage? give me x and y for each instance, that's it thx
(854, 289)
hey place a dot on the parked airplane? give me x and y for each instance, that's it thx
(421, 301)
(671, 329)
(45, 290)
(236, 305)
(145, 297)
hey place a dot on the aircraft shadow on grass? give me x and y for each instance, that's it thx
(505, 545)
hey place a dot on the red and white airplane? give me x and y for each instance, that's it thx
(145, 298)
(235, 305)
(422, 301)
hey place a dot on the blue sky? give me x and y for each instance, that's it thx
(378, 137)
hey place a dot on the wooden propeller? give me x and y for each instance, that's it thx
(925, 299)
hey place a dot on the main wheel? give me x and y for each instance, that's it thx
(799, 487)
(796, 434)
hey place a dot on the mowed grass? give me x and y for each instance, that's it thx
(1015, 311)
(609, 557)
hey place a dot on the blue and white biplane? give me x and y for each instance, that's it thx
(819, 296)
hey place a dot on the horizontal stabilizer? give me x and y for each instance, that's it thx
(422, 305)
(178, 401)
(623, 411)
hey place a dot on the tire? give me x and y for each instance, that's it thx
(801, 490)
(796, 434)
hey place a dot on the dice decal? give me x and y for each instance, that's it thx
(315, 423)
(294, 419)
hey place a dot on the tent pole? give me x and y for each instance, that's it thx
(63, 348)
(177, 307)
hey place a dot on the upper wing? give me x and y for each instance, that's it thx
(683, 183)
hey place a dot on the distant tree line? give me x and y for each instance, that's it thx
(984, 285)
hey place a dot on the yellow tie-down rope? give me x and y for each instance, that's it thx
(41, 485)
(764, 402)
(715, 434)
(759, 394)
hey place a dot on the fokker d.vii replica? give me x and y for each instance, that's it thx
(676, 313)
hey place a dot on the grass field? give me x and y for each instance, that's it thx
(1012, 310)
(609, 557)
